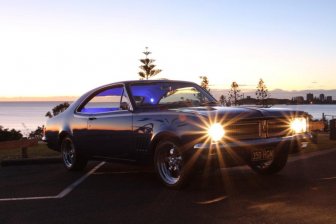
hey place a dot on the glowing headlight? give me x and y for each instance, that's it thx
(299, 125)
(216, 132)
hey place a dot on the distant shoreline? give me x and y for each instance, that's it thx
(274, 93)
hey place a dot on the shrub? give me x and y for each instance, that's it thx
(37, 134)
(8, 135)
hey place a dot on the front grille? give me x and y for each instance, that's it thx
(277, 128)
(257, 129)
(243, 130)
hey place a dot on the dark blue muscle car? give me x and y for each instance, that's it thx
(176, 126)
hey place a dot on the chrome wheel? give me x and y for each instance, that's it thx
(169, 164)
(72, 158)
(68, 153)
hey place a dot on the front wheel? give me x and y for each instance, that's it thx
(72, 160)
(170, 164)
(272, 166)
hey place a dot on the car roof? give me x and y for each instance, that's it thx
(144, 81)
(136, 82)
(151, 81)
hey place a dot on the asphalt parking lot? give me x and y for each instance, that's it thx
(304, 192)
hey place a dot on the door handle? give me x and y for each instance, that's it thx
(92, 118)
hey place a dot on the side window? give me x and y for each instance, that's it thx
(125, 102)
(103, 102)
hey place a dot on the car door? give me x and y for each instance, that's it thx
(80, 132)
(109, 131)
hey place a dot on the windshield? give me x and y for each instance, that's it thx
(171, 95)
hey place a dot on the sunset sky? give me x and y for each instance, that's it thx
(65, 48)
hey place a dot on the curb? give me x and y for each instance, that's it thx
(22, 162)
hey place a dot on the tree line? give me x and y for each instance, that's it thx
(7, 134)
(235, 97)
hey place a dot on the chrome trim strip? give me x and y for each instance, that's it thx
(254, 142)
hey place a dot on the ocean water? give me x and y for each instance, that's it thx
(26, 116)
(315, 110)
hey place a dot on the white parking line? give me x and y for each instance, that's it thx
(328, 178)
(72, 186)
(28, 198)
(63, 193)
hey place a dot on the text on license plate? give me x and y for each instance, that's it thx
(262, 155)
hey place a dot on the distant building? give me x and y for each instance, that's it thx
(298, 99)
(322, 97)
(310, 97)
(248, 97)
(329, 99)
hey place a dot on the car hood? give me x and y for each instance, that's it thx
(240, 112)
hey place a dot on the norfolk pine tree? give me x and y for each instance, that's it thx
(147, 67)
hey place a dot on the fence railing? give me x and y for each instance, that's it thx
(324, 116)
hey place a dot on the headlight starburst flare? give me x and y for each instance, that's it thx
(299, 125)
(216, 132)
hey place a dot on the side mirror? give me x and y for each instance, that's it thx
(124, 106)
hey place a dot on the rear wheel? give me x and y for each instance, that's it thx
(170, 164)
(272, 166)
(72, 160)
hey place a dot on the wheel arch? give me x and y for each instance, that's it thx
(161, 136)
(61, 136)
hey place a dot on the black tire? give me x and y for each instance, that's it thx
(295, 147)
(274, 166)
(170, 164)
(72, 159)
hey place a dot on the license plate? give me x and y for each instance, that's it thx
(262, 155)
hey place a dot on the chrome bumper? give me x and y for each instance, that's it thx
(302, 138)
